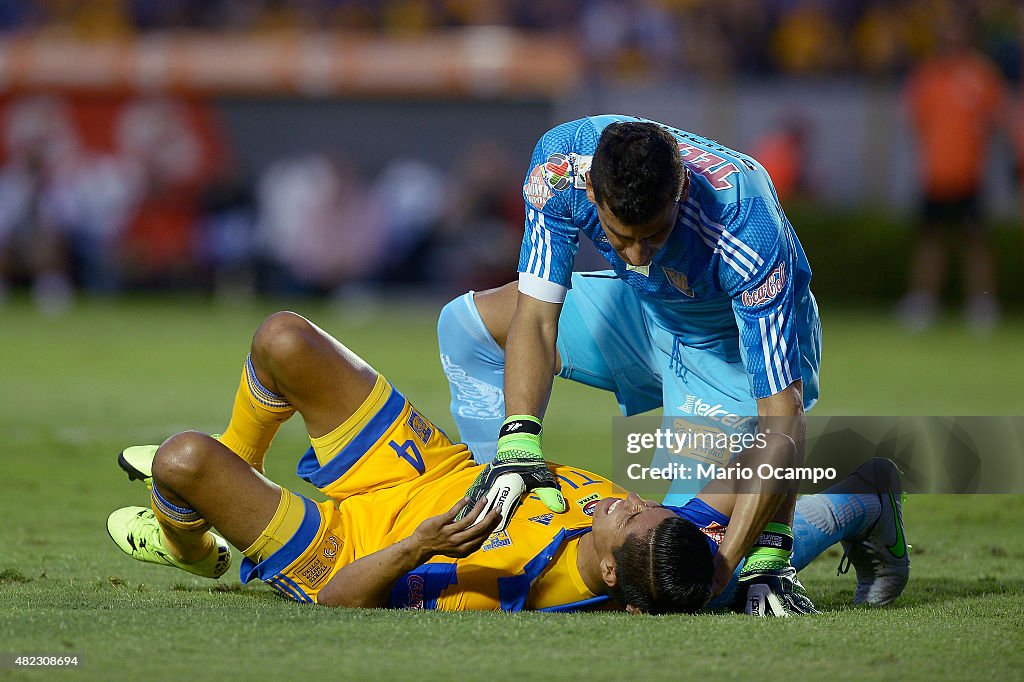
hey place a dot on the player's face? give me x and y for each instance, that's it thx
(636, 244)
(616, 519)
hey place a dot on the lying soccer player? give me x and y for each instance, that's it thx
(388, 535)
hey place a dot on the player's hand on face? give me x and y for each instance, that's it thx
(443, 535)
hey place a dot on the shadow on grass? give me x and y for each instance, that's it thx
(256, 592)
(925, 592)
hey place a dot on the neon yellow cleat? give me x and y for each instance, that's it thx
(136, 531)
(137, 462)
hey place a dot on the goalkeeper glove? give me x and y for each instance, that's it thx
(772, 592)
(517, 469)
(768, 585)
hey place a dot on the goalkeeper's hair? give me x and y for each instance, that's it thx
(666, 570)
(637, 171)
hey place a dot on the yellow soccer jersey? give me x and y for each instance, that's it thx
(388, 469)
(502, 572)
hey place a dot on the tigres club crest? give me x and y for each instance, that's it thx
(679, 281)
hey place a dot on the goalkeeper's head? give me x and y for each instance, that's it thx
(655, 562)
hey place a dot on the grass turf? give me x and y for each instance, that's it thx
(79, 388)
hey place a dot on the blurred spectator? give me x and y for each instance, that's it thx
(483, 227)
(807, 41)
(879, 39)
(227, 237)
(161, 137)
(411, 198)
(41, 144)
(317, 228)
(955, 100)
(632, 39)
(783, 153)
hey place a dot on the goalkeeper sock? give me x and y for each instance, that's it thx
(824, 519)
(771, 551)
(475, 366)
(256, 416)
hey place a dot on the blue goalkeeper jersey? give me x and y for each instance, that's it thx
(732, 249)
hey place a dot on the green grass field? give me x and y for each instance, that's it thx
(78, 389)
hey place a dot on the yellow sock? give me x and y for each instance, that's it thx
(255, 418)
(184, 529)
(287, 519)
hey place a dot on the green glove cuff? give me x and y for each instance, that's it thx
(520, 432)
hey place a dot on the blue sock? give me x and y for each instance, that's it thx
(823, 520)
(475, 366)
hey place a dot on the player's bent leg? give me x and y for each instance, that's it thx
(197, 482)
(320, 377)
(471, 333)
(293, 365)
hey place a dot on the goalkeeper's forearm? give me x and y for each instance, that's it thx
(754, 506)
(530, 356)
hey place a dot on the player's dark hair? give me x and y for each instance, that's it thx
(667, 570)
(636, 171)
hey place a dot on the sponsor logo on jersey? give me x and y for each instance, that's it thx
(679, 281)
(497, 540)
(580, 168)
(331, 550)
(701, 442)
(415, 584)
(768, 290)
(642, 270)
(420, 426)
(536, 190)
(711, 167)
(557, 172)
(715, 531)
(543, 519)
(588, 501)
(318, 568)
(715, 412)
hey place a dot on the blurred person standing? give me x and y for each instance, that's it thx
(41, 143)
(955, 101)
(317, 228)
(783, 153)
(480, 232)
(177, 153)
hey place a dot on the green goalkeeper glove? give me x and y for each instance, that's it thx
(517, 469)
(767, 584)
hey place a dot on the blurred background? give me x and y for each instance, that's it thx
(357, 149)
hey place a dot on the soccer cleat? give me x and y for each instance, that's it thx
(881, 558)
(772, 593)
(137, 462)
(136, 531)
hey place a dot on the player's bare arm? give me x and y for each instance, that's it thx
(783, 413)
(749, 506)
(531, 356)
(367, 582)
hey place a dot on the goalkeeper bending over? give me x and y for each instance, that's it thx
(391, 535)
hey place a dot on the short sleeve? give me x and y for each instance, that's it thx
(550, 239)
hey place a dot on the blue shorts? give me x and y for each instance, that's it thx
(682, 357)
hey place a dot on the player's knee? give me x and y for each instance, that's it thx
(282, 337)
(181, 459)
